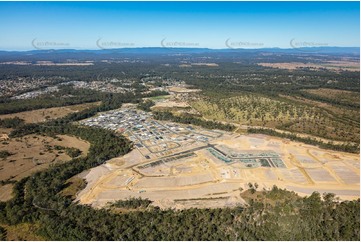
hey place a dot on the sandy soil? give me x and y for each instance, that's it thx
(190, 182)
(170, 104)
(204, 64)
(180, 89)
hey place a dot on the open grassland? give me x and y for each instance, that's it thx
(45, 114)
(28, 154)
(31, 152)
(286, 113)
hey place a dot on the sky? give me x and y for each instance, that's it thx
(218, 25)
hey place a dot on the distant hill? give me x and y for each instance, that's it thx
(62, 54)
(164, 50)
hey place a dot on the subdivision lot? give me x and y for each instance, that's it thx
(347, 175)
(219, 170)
(152, 138)
(155, 182)
(320, 175)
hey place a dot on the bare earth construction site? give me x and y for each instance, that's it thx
(182, 166)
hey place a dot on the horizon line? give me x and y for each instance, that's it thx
(185, 48)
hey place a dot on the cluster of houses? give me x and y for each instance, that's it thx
(36, 93)
(144, 131)
(38, 87)
(113, 86)
(19, 85)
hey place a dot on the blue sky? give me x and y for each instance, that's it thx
(94, 25)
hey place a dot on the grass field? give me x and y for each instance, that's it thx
(32, 153)
(41, 115)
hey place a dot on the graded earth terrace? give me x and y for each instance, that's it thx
(182, 166)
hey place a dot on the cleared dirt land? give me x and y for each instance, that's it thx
(28, 154)
(329, 65)
(42, 115)
(182, 89)
(207, 179)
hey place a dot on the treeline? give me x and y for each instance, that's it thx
(67, 95)
(146, 105)
(310, 218)
(11, 122)
(5, 182)
(70, 151)
(284, 218)
(352, 148)
(131, 203)
(156, 93)
(330, 100)
(188, 119)
(70, 96)
(2, 233)
(4, 154)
